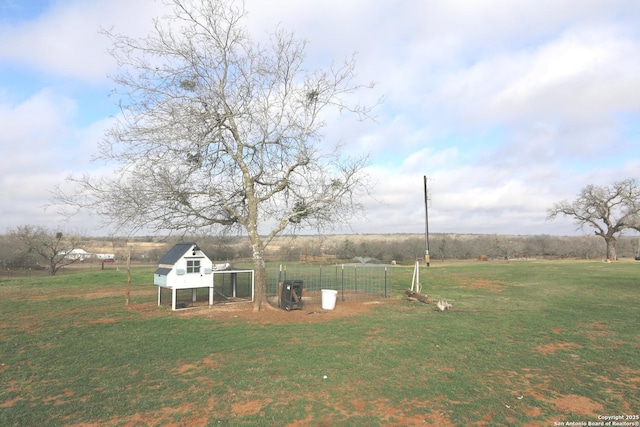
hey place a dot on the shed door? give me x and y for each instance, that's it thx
(195, 272)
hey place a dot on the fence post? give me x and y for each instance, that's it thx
(342, 282)
(355, 277)
(385, 282)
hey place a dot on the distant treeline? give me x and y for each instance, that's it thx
(407, 248)
(401, 248)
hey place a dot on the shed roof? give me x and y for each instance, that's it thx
(176, 252)
(163, 271)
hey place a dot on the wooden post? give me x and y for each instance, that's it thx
(415, 282)
(417, 296)
(128, 276)
(427, 258)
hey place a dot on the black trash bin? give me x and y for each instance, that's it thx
(291, 295)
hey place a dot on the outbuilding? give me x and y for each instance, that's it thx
(185, 266)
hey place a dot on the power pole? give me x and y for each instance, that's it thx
(427, 258)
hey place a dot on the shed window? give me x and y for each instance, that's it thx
(193, 266)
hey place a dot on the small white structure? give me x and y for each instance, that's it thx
(75, 254)
(185, 266)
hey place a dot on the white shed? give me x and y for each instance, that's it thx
(185, 266)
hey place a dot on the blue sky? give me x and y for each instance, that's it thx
(507, 106)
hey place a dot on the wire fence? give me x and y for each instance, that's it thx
(352, 281)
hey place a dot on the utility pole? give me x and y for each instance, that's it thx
(427, 258)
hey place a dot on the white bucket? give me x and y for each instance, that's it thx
(329, 299)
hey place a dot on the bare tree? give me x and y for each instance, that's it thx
(11, 256)
(218, 131)
(54, 247)
(608, 210)
(501, 246)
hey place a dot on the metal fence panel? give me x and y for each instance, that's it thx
(352, 281)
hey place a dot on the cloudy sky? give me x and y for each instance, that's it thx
(507, 106)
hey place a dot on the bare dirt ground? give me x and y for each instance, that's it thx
(311, 312)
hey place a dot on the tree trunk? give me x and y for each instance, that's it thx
(52, 266)
(260, 278)
(611, 249)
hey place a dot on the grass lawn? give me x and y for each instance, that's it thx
(534, 343)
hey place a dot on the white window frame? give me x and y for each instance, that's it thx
(193, 266)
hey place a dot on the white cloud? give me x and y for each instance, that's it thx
(507, 106)
(66, 40)
(41, 145)
(579, 77)
(32, 129)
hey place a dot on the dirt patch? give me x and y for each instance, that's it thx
(597, 325)
(595, 330)
(310, 313)
(578, 405)
(428, 413)
(531, 397)
(248, 407)
(531, 411)
(553, 347)
(9, 403)
(405, 414)
(438, 419)
(59, 399)
(301, 423)
(163, 417)
(630, 377)
(391, 416)
(188, 368)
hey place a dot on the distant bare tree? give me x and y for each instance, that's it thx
(11, 254)
(54, 247)
(608, 210)
(346, 250)
(502, 246)
(442, 248)
(220, 131)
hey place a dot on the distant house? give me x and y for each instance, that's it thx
(76, 254)
(185, 266)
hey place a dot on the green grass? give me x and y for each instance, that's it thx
(526, 343)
